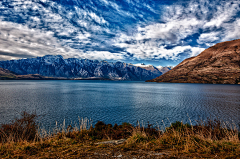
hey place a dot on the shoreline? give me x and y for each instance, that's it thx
(206, 139)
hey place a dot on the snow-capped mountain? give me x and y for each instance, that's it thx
(156, 70)
(164, 69)
(56, 66)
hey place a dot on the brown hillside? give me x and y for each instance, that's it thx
(6, 74)
(217, 64)
(9, 75)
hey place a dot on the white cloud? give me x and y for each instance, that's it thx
(103, 55)
(39, 36)
(180, 22)
(151, 50)
(88, 17)
(209, 37)
(232, 31)
(171, 31)
(196, 50)
(225, 12)
(17, 40)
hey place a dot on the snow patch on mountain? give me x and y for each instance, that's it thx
(56, 66)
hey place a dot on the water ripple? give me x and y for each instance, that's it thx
(117, 102)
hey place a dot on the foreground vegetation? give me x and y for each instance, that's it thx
(211, 139)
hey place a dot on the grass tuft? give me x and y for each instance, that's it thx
(207, 139)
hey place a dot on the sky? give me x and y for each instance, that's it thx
(157, 32)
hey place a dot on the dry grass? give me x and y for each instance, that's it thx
(22, 139)
(208, 138)
(23, 129)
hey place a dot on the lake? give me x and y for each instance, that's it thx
(118, 101)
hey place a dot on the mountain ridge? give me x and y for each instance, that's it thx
(56, 66)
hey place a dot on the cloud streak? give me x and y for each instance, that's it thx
(211, 22)
(115, 30)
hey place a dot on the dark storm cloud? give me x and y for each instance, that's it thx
(25, 55)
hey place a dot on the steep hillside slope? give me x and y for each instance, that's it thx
(6, 74)
(9, 75)
(217, 64)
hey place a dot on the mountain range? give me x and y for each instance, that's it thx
(73, 68)
(219, 64)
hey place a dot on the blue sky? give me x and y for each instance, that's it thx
(134, 31)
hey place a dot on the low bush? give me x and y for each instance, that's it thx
(103, 131)
(24, 128)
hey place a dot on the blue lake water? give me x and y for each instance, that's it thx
(119, 101)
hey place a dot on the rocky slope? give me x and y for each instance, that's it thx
(56, 66)
(217, 64)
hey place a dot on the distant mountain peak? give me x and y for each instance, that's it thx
(159, 67)
(158, 70)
